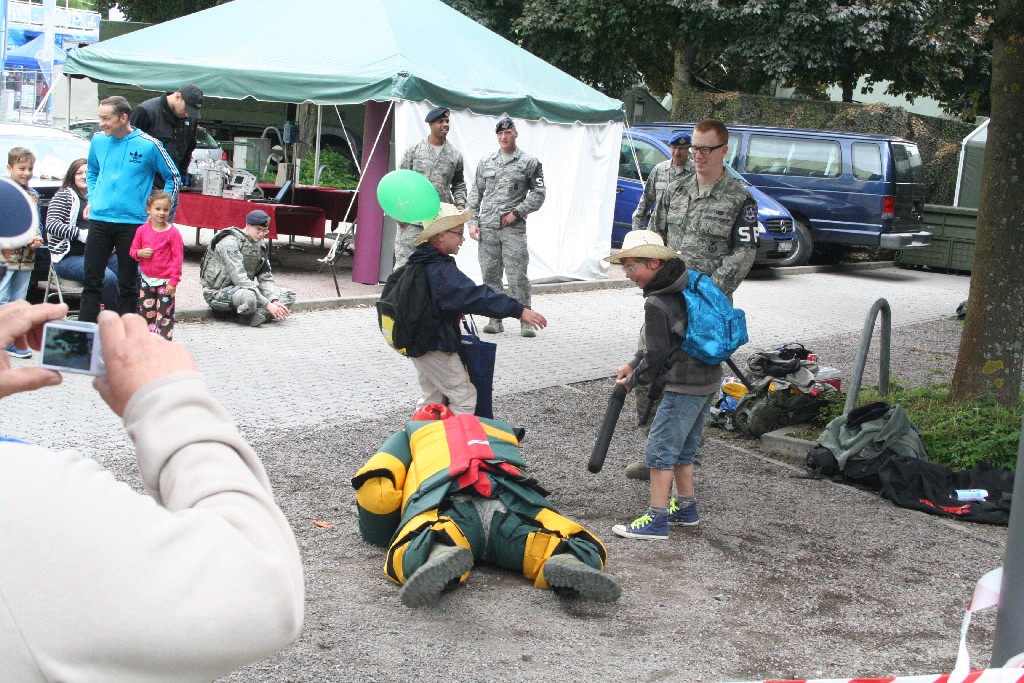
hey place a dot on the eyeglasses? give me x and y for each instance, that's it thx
(705, 150)
(260, 229)
(629, 269)
(457, 231)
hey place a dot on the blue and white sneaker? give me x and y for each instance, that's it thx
(15, 352)
(653, 527)
(682, 516)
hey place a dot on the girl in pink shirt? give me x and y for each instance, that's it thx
(159, 250)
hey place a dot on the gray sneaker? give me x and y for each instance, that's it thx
(494, 326)
(256, 319)
(445, 565)
(568, 573)
(526, 330)
(638, 470)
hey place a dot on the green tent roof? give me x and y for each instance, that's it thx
(331, 52)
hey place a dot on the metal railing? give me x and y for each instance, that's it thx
(862, 353)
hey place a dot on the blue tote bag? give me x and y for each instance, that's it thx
(478, 358)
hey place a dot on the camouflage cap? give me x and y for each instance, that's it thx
(504, 123)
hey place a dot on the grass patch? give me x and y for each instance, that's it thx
(957, 435)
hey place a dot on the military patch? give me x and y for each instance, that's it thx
(750, 212)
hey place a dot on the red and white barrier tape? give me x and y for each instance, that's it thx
(986, 594)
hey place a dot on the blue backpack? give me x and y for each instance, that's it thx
(714, 329)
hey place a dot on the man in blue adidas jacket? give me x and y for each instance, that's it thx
(122, 164)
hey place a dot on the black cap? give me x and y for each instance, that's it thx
(193, 96)
(504, 123)
(437, 113)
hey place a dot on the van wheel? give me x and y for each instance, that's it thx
(803, 247)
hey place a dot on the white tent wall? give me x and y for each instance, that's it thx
(571, 233)
(972, 164)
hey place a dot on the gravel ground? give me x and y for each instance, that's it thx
(784, 578)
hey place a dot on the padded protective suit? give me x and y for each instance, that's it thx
(431, 483)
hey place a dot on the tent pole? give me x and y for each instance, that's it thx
(316, 153)
(68, 119)
(369, 216)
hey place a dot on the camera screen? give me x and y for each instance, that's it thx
(68, 348)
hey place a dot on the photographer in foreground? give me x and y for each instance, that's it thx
(100, 583)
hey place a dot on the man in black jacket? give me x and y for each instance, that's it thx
(172, 119)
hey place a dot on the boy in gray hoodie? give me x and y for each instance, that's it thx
(689, 385)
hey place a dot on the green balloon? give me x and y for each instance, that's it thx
(408, 196)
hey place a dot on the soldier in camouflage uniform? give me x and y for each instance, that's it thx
(442, 164)
(236, 276)
(509, 186)
(710, 220)
(661, 175)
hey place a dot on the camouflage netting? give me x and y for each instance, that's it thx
(938, 139)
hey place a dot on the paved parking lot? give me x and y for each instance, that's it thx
(320, 365)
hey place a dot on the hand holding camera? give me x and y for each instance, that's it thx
(134, 356)
(21, 324)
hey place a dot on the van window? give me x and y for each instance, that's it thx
(777, 155)
(908, 163)
(647, 154)
(867, 161)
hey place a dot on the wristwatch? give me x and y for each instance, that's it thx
(516, 212)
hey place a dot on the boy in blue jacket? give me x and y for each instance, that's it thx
(122, 164)
(441, 375)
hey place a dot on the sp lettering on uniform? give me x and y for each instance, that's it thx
(746, 234)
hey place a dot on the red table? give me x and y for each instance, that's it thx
(216, 213)
(335, 203)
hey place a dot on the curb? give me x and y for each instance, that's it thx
(364, 300)
(780, 442)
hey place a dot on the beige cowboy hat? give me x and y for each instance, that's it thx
(447, 217)
(642, 244)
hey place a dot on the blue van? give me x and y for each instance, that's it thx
(775, 224)
(843, 189)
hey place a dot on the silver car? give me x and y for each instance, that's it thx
(54, 148)
(206, 146)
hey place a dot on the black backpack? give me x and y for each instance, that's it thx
(763, 409)
(406, 315)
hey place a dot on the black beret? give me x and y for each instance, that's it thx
(437, 113)
(504, 123)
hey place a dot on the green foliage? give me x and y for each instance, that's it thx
(337, 172)
(957, 435)
(155, 11)
(935, 48)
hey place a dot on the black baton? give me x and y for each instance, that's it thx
(604, 437)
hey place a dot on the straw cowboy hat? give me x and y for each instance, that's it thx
(447, 217)
(642, 244)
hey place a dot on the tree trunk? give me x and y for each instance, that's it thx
(306, 117)
(992, 347)
(848, 81)
(682, 78)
